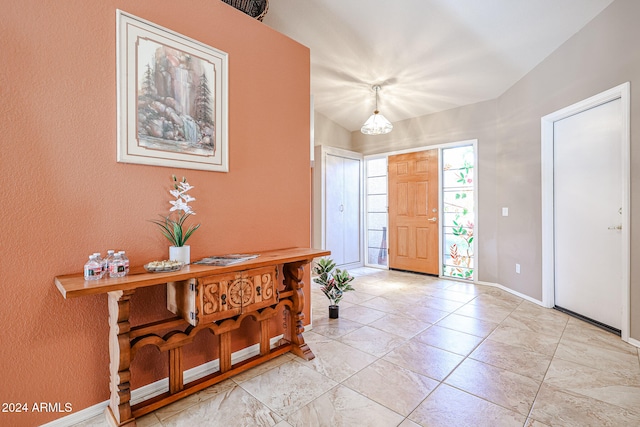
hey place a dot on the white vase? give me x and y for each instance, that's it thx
(180, 253)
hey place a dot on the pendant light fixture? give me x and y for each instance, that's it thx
(377, 124)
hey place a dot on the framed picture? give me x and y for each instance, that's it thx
(172, 98)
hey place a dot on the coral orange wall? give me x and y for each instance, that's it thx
(65, 196)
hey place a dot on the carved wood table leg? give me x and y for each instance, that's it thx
(119, 410)
(176, 372)
(293, 275)
(225, 351)
(265, 344)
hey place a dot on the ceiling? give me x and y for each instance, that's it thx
(428, 55)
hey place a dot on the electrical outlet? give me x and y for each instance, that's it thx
(518, 268)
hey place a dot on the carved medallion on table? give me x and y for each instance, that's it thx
(223, 296)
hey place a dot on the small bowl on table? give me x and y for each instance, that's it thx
(163, 266)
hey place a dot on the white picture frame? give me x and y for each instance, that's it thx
(172, 98)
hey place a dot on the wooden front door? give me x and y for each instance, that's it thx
(413, 212)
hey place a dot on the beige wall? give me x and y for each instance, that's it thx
(65, 196)
(329, 133)
(602, 55)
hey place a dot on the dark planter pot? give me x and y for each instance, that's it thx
(334, 310)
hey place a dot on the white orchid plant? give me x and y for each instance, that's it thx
(171, 228)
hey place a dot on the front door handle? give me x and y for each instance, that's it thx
(434, 219)
(617, 227)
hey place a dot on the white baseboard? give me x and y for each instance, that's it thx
(634, 342)
(161, 386)
(80, 416)
(511, 291)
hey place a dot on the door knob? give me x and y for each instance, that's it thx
(617, 227)
(434, 219)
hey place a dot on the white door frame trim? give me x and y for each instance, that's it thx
(621, 92)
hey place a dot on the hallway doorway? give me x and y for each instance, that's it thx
(454, 213)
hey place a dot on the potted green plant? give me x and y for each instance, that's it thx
(333, 283)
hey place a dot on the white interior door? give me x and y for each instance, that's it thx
(343, 196)
(351, 211)
(588, 213)
(334, 207)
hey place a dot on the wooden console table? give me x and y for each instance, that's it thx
(203, 297)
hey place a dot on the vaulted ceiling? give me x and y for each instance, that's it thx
(428, 55)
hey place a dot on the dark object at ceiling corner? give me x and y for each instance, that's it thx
(254, 8)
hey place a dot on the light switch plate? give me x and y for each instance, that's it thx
(505, 211)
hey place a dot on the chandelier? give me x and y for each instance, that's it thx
(377, 124)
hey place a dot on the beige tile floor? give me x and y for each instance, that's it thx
(411, 350)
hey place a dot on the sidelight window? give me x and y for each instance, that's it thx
(458, 212)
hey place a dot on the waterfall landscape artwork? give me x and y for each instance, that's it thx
(172, 98)
(175, 100)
